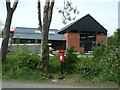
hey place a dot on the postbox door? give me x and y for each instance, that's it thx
(61, 57)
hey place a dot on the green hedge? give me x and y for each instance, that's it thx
(104, 66)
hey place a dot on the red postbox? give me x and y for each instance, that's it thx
(12, 31)
(61, 55)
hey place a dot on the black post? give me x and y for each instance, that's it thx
(61, 69)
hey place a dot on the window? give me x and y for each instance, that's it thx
(87, 41)
(51, 32)
(37, 31)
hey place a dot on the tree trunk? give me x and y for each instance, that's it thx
(44, 28)
(44, 41)
(6, 31)
(45, 50)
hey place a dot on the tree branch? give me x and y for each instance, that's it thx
(15, 5)
(50, 12)
(8, 5)
(67, 10)
(45, 15)
(39, 15)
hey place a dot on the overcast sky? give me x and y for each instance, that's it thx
(104, 11)
(119, 15)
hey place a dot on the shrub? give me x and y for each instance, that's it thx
(99, 51)
(86, 68)
(104, 66)
(11, 70)
(70, 60)
(109, 68)
(54, 65)
(27, 59)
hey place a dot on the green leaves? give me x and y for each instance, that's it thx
(114, 40)
(104, 66)
(27, 59)
(70, 60)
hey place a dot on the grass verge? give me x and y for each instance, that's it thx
(12, 71)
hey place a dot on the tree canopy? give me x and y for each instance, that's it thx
(114, 40)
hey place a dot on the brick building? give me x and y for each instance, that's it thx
(84, 34)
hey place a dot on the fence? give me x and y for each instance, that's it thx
(32, 47)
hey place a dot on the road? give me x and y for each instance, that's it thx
(31, 85)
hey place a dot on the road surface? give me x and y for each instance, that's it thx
(31, 85)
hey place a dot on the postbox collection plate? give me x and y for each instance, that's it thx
(61, 56)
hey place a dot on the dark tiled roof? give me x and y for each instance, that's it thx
(34, 33)
(86, 23)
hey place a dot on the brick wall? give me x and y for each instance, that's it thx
(73, 39)
(101, 38)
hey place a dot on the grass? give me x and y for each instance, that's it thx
(54, 65)
(0, 70)
(12, 71)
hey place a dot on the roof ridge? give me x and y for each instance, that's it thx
(32, 28)
(67, 27)
(75, 21)
(27, 27)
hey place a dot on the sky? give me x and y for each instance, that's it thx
(119, 15)
(104, 11)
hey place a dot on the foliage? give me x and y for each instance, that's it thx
(99, 51)
(101, 68)
(110, 66)
(104, 66)
(12, 69)
(0, 70)
(27, 59)
(114, 40)
(87, 68)
(54, 65)
(70, 60)
(23, 65)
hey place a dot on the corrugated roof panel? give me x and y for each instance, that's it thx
(34, 33)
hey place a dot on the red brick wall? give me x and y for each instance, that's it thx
(101, 38)
(73, 39)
